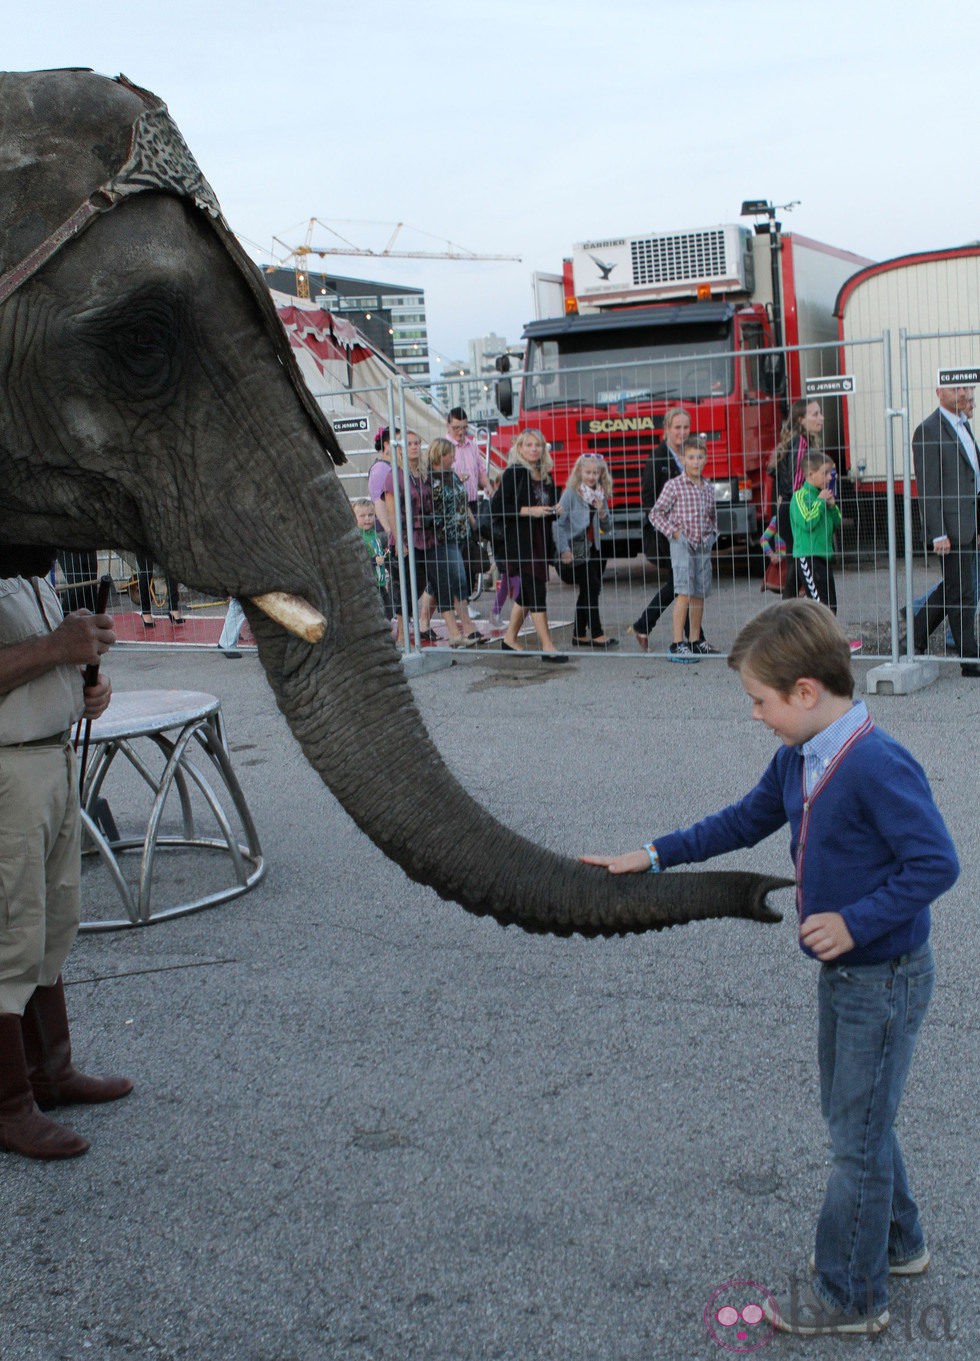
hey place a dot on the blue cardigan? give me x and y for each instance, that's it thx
(869, 843)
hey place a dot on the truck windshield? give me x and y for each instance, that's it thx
(596, 368)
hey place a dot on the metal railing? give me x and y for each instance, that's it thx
(881, 566)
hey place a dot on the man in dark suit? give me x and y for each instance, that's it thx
(947, 473)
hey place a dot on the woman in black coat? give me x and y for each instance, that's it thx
(527, 509)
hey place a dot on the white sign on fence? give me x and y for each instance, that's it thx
(836, 385)
(348, 425)
(954, 378)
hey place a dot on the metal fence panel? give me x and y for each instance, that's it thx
(615, 411)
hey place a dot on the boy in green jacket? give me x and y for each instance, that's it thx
(814, 516)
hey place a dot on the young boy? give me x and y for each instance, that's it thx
(363, 508)
(685, 514)
(871, 852)
(814, 516)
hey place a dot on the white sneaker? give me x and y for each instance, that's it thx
(808, 1316)
(474, 614)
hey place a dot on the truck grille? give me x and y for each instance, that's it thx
(625, 463)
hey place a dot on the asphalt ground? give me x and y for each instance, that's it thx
(369, 1127)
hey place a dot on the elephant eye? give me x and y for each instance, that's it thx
(139, 343)
(146, 349)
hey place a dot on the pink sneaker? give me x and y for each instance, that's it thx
(855, 645)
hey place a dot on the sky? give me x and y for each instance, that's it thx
(520, 127)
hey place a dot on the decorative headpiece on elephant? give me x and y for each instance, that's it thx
(149, 401)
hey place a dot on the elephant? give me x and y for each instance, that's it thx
(149, 400)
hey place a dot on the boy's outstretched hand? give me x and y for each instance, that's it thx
(826, 934)
(633, 862)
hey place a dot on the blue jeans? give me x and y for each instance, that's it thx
(869, 1019)
(234, 622)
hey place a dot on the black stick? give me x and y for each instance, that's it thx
(91, 677)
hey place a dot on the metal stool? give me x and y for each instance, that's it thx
(194, 718)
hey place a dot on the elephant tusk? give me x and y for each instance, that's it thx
(294, 614)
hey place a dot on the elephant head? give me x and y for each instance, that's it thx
(149, 400)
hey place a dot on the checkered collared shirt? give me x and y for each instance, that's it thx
(687, 506)
(821, 750)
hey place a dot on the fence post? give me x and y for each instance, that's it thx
(886, 360)
(903, 413)
(418, 660)
(899, 676)
(403, 589)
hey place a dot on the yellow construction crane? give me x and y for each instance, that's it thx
(300, 254)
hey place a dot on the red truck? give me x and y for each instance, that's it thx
(708, 319)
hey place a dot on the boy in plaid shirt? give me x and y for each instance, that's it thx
(685, 514)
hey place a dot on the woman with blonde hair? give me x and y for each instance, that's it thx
(583, 512)
(527, 509)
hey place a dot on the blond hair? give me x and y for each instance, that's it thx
(543, 469)
(605, 476)
(671, 415)
(435, 453)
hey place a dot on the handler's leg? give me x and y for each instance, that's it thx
(23, 1129)
(38, 792)
(47, 1049)
(47, 1041)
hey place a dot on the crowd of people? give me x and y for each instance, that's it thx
(531, 528)
(445, 521)
(452, 507)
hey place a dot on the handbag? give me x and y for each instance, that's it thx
(774, 577)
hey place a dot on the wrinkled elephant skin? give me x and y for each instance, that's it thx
(146, 403)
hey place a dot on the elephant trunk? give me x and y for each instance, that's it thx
(395, 785)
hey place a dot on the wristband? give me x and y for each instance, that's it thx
(655, 865)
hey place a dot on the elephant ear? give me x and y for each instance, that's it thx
(73, 144)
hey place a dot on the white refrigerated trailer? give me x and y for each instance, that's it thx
(929, 303)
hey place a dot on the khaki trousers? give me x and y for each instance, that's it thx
(40, 868)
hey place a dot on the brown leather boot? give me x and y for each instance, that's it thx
(23, 1129)
(47, 1046)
